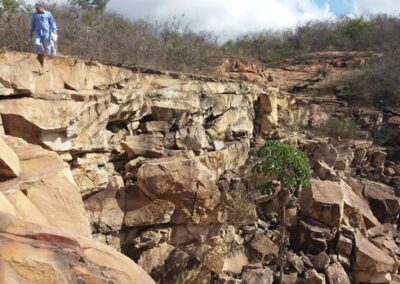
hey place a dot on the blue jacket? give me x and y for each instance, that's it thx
(43, 23)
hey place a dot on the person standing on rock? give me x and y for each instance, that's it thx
(43, 26)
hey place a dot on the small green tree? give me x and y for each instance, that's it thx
(289, 166)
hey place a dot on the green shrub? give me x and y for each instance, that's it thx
(285, 164)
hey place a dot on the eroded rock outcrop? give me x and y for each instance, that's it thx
(9, 162)
(161, 160)
(145, 151)
(45, 235)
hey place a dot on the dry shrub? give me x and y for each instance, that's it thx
(112, 38)
(241, 207)
(377, 85)
(338, 127)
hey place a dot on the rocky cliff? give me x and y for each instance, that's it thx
(98, 162)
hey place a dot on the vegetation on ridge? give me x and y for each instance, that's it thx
(87, 30)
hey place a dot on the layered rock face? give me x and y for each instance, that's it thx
(45, 235)
(98, 162)
(145, 151)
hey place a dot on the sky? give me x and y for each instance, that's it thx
(233, 17)
(228, 18)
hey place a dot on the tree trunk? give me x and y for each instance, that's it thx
(283, 196)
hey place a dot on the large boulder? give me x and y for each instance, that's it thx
(262, 248)
(384, 203)
(145, 145)
(372, 265)
(323, 202)
(231, 158)
(154, 213)
(333, 202)
(31, 253)
(106, 209)
(335, 274)
(9, 163)
(187, 184)
(192, 137)
(45, 186)
(311, 236)
(44, 232)
(358, 203)
(321, 151)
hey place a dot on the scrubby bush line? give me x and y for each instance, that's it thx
(89, 32)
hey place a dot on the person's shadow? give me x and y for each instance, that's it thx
(40, 58)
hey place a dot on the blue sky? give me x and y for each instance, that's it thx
(339, 7)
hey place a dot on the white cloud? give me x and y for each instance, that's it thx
(227, 17)
(366, 7)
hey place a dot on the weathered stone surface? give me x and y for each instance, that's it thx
(378, 158)
(335, 274)
(296, 262)
(359, 204)
(155, 126)
(367, 277)
(359, 155)
(23, 74)
(395, 120)
(324, 172)
(45, 186)
(46, 194)
(107, 208)
(320, 261)
(344, 161)
(231, 158)
(68, 112)
(311, 236)
(258, 276)
(192, 138)
(290, 278)
(155, 257)
(263, 248)
(383, 202)
(90, 172)
(144, 145)
(297, 73)
(344, 246)
(185, 183)
(326, 200)
(154, 213)
(321, 151)
(369, 259)
(9, 163)
(31, 253)
(313, 277)
(235, 261)
(61, 124)
(268, 110)
(323, 202)
(6, 206)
